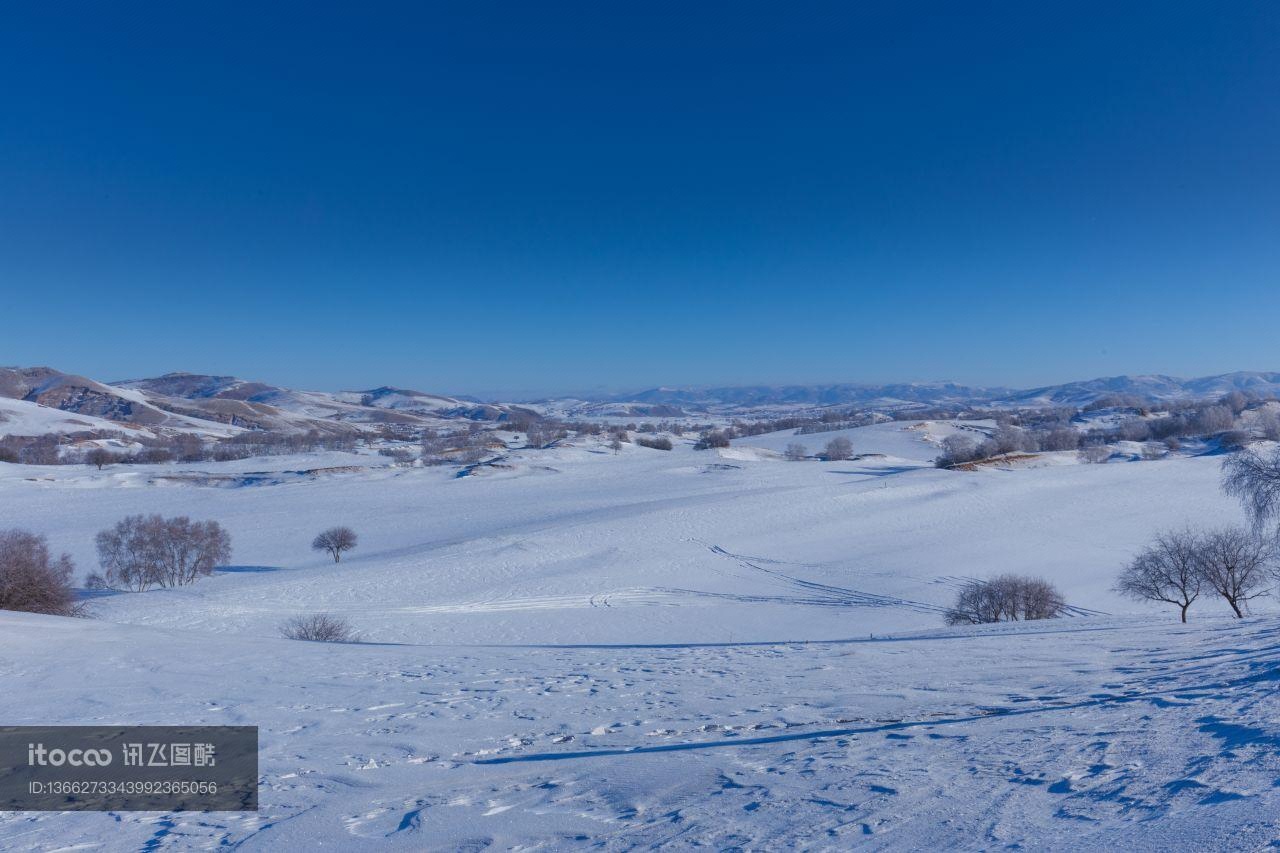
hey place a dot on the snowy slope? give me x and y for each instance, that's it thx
(19, 417)
(684, 647)
(1116, 736)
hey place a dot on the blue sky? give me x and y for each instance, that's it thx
(498, 198)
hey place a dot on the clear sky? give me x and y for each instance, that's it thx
(537, 197)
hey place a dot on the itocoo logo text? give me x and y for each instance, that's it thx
(38, 756)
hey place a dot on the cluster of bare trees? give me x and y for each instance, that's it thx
(659, 443)
(1007, 598)
(1237, 564)
(269, 443)
(1233, 563)
(713, 438)
(138, 553)
(143, 551)
(838, 449)
(465, 447)
(33, 580)
(545, 432)
(51, 449)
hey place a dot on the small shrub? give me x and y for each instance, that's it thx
(319, 628)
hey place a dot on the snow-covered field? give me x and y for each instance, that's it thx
(577, 648)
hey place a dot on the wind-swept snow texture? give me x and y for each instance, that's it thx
(574, 648)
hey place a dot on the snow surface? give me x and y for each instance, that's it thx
(573, 648)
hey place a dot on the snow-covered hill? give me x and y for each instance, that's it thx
(220, 405)
(574, 647)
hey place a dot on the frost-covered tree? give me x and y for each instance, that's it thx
(336, 541)
(1063, 438)
(956, 450)
(1213, 419)
(1167, 570)
(1267, 422)
(1135, 429)
(796, 452)
(1236, 401)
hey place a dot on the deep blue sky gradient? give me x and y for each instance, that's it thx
(548, 197)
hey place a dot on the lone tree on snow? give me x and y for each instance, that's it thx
(100, 456)
(1167, 570)
(796, 452)
(335, 540)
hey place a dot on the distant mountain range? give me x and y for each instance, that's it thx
(221, 404)
(909, 395)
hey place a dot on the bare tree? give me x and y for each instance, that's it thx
(1254, 479)
(796, 452)
(320, 628)
(1007, 598)
(145, 551)
(839, 449)
(100, 457)
(1234, 563)
(1167, 570)
(31, 579)
(335, 540)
